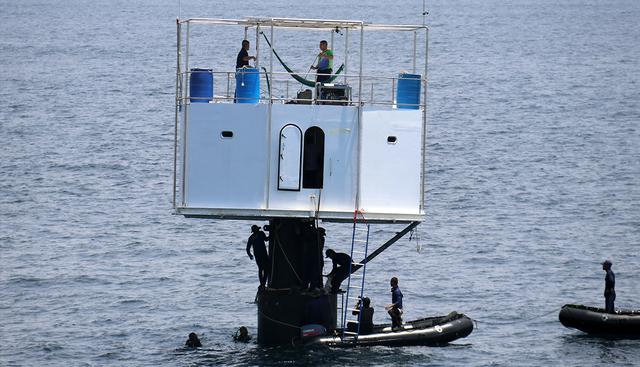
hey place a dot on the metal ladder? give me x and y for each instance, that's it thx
(355, 282)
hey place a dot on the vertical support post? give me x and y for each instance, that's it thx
(424, 114)
(273, 45)
(346, 56)
(269, 122)
(175, 127)
(393, 91)
(258, 46)
(186, 116)
(415, 47)
(360, 108)
(331, 39)
(361, 58)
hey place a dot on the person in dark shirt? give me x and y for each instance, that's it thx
(609, 287)
(341, 267)
(243, 56)
(193, 341)
(395, 308)
(366, 319)
(256, 240)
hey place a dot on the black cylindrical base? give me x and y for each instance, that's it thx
(294, 296)
(282, 313)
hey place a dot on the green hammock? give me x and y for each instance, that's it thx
(308, 83)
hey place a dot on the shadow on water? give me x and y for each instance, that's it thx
(239, 354)
(584, 347)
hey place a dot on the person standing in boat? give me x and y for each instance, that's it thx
(256, 240)
(609, 287)
(340, 271)
(395, 308)
(243, 56)
(324, 66)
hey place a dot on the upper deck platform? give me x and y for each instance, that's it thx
(296, 148)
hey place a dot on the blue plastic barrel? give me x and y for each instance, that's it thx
(408, 91)
(201, 85)
(247, 85)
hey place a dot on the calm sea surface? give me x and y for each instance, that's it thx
(533, 180)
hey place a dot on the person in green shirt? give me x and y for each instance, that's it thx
(324, 66)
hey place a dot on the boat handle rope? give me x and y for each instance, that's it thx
(516, 321)
(285, 257)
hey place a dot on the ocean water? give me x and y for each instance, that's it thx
(533, 178)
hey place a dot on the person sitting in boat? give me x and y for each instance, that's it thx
(395, 308)
(609, 287)
(193, 341)
(243, 56)
(363, 307)
(324, 66)
(340, 271)
(256, 240)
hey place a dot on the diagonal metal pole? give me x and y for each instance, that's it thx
(380, 249)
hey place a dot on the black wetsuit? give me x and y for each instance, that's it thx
(609, 291)
(340, 271)
(260, 253)
(366, 321)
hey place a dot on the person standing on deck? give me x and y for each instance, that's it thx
(395, 308)
(256, 240)
(324, 66)
(243, 56)
(609, 287)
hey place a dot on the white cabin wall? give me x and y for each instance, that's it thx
(226, 172)
(390, 173)
(339, 184)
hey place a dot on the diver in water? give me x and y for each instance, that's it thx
(242, 335)
(193, 341)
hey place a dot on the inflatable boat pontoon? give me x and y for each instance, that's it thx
(595, 321)
(437, 330)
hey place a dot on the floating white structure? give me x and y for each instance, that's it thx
(346, 146)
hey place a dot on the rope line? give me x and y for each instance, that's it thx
(517, 321)
(278, 321)
(286, 258)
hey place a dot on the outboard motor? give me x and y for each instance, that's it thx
(311, 331)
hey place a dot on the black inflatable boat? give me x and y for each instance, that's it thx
(437, 330)
(595, 321)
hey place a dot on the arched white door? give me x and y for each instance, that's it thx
(290, 158)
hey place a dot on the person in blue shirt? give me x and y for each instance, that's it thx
(395, 308)
(609, 287)
(256, 240)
